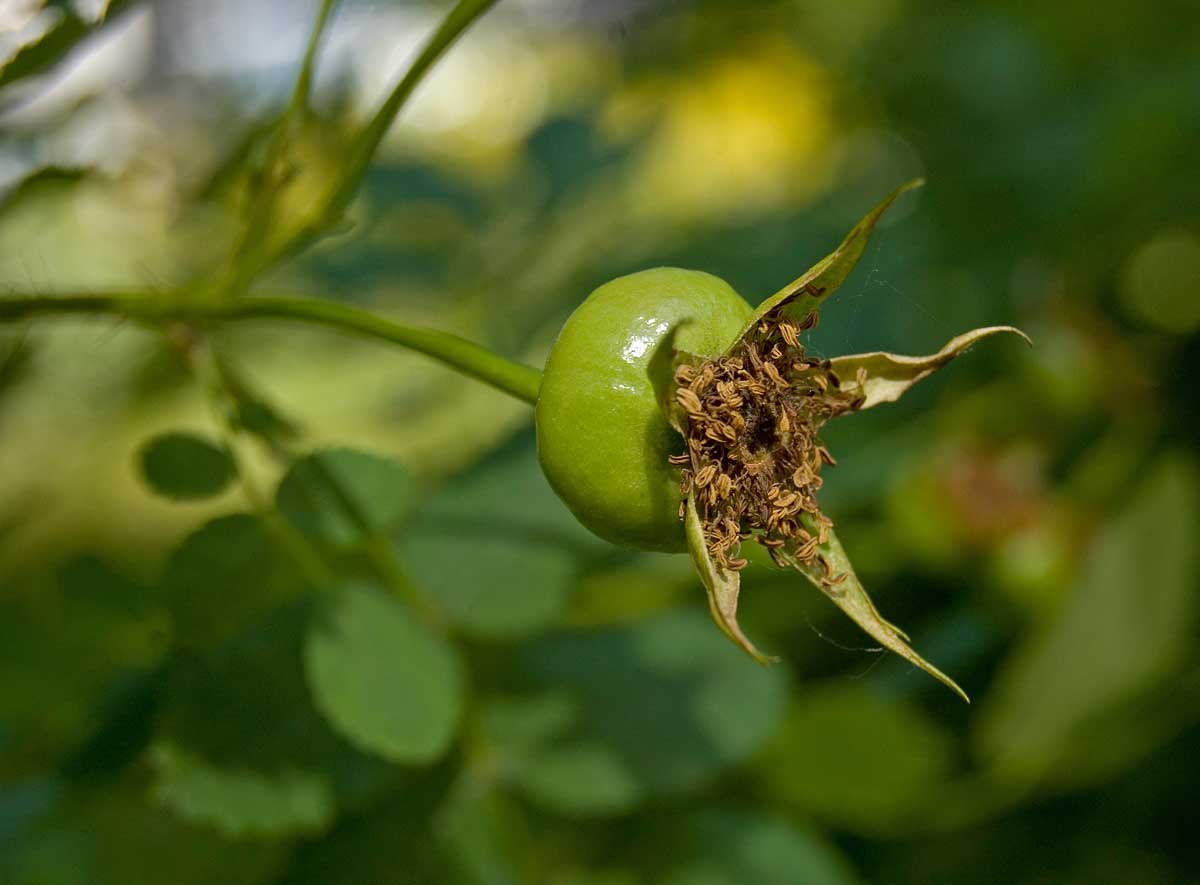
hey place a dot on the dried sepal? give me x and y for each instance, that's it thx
(799, 298)
(722, 584)
(834, 576)
(878, 377)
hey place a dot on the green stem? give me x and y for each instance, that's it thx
(460, 354)
(378, 547)
(451, 28)
(303, 87)
(204, 363)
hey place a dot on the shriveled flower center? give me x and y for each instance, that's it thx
(754, 458)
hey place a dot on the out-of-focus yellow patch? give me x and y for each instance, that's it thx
(748, 133)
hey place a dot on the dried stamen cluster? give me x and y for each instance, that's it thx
(753, 461)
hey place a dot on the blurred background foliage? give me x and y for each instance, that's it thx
(177, 702)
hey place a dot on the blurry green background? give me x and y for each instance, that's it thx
(176, 704)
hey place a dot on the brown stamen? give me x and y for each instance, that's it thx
(753, 455)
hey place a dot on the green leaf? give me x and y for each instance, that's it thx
(722, 585)
(482, 835)
(72, 643)
(493, 586)
(383, 681)
(606, 876)
(395, 843)
(1125, 630)
(728, 846)
(581, 779)
(809, 290)
(246, 706)
(240, 803)
(849, 595)
(1124, 734)
(508, 496)
(115, 833)
(701, 707)
(858, 760)
(340, 496)
(251, 410)
(186, 466)
(528, 722)
(225, 577)
(887, 376)
(497, 549)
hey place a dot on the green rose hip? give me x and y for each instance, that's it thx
(602, 437)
